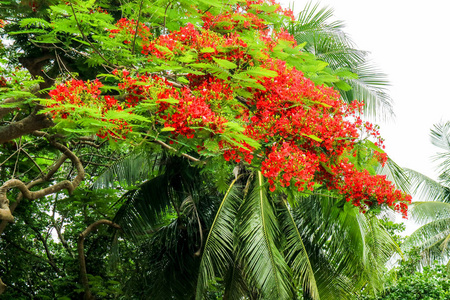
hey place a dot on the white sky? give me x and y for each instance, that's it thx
(408, 40)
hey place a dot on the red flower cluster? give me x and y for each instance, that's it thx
(127, 30)
(229, 47)
(2, 81)
(382, 158)
(363, 189)
(78, 93)
(183, 111)
(286, 162)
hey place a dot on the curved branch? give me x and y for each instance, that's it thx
(81, 257)
(52, 170)
(5, 212)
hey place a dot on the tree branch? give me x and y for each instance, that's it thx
(5, 213)
(27, 125)
(2, 287)
(81, 257)
(175, 150)
(52, 170)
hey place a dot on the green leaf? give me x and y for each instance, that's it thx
(200, 65)
(342, 85)
(217, 255)
(226, 64)
(261, 72)
(207, 50)
(35, 22)
(313, 137)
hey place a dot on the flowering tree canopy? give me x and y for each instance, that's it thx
(231, 84)
(214, 83)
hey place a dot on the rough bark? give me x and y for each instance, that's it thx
(29, 124)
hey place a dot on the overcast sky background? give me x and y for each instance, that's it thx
(409, 41)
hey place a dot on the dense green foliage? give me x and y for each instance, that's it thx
(406, 282)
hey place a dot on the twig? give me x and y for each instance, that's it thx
(137, 27)
(175, 150)
(17, 160)
(87, 40)
(165, 15)
(34, 162)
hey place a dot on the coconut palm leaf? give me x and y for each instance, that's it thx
(395, 174)
(343, 243)
(432, 238)
(217, 256)
(258, 232)
(235, 284)
(154, 202)
(144, 208)
(165, 263)
(296, 253)
(379, 249)
(131, 169)
(433, 235)
(371, 87)
(313, 19)
(423, 212)
(427, 189)
(440, 136)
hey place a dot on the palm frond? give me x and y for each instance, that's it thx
(440, 136)
(165, 264)
(262, 263)
(235, 284)
(297, 255)
(130, 170)
(395, 174)
(427, 211)
(371, 87)
(380, 248)
(425, 188)
(349, 248)
(327, 252)
(144, 207)
(429, 235)
(217, 254)
(329, 43)
(312, 19)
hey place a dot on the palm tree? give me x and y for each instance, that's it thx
(433, 211)
(242, 241)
